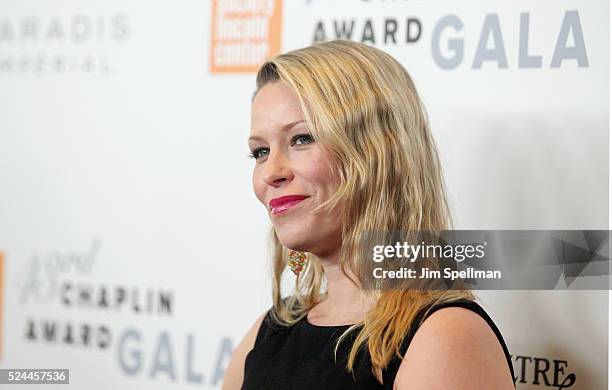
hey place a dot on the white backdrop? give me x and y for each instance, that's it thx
(125, 180)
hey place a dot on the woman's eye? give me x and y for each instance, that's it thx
(302, 139)
(259, 152)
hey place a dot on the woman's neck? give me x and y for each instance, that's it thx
(345, 303)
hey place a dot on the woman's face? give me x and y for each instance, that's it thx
(292, 173)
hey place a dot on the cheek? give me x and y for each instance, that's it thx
(320, 173)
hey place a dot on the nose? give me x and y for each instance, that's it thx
(277, 169)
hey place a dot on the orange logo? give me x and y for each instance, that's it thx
(244, 34)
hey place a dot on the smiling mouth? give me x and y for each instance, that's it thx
(284, 203)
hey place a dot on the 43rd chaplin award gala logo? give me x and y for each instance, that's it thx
(63, 299)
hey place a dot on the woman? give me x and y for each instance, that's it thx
(342, 145)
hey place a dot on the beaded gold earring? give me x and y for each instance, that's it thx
(297, 261)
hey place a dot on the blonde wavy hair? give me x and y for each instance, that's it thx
(363, 109)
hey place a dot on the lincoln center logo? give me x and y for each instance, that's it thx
(244, 34)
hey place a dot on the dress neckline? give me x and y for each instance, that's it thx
(309, 324)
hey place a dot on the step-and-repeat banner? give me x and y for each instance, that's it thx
(133, 251)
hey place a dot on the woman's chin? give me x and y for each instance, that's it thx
(294, 243)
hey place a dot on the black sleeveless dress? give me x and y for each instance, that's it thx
(302, 356)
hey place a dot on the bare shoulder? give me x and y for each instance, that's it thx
(234, 374)
(454, 348)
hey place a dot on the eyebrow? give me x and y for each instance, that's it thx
(283, 128)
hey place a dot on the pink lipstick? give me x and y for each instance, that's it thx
(278, 205)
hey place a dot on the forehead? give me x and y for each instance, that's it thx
(274, 106)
